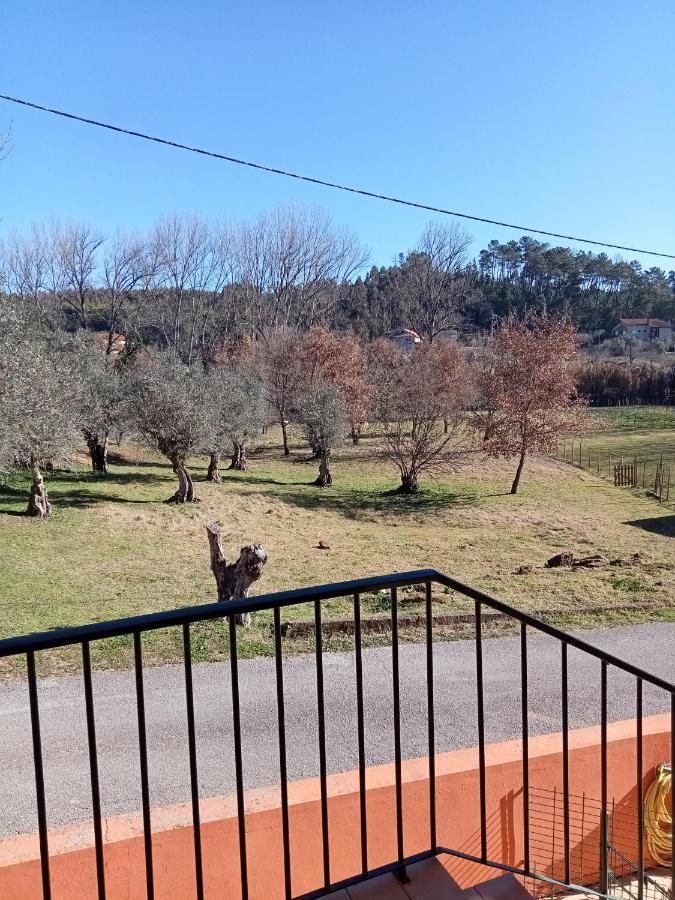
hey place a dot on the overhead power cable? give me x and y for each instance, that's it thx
(324, 182)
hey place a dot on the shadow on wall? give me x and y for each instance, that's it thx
(547, 839)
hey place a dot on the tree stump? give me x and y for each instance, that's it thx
(566, 558)
(39, 506)
(234, 580)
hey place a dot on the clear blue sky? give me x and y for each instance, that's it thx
(552, 114)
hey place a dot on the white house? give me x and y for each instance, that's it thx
(644, 330)
(405, 338)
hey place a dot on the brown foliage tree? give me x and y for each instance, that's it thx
(528, 391)
(339, 358)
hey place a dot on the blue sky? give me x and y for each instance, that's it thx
(559, 115)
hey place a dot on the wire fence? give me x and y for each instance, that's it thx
(652, 474)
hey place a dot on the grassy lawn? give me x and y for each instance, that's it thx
(647, 442)
(113, 548)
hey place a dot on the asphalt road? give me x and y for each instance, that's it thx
(64, 738)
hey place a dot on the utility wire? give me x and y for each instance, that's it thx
(325, 183)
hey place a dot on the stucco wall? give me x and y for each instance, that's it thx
(72, 856)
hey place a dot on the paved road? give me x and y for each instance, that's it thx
(64, 739)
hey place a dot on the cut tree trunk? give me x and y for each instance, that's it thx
(238, 461)
(325, 478)
(213, 473)
(234, 580)
(519, 472)
(98, 451)
(185, 492)
(38, 504)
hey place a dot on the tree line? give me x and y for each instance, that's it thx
(189, 285)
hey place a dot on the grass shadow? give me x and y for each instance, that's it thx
(78, 490)
(351, 502)
(663, 525)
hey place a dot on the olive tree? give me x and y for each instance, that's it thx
(101, 407)
(39, 407)
(168, 405)
(321, 411)
(238, 413)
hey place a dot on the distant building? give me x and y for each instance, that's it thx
(405, 338)
(644, 330)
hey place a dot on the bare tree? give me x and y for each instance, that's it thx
(192, 266)
(170, 410)
(290, 264)
(127, 264)
(322, 413)
(27, 265)
(39, 407)
(75, 259)
(278, 358)
(417, 392)
(432, 282)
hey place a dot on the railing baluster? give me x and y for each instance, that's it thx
(431, 719)
(603, 777)
(143, 755)
(397, 731)
(360, 733)
(321, 719)
(238, 764)
(93, 769)
(481, 733)
(525, 746)
(39, 775)
(565, 760)
(192, 750)
(283, 769)
(640, 793)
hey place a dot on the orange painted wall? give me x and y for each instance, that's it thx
(73, 865)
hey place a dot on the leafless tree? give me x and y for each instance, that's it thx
(432, 282)
(75, 259)
(277, 358)
(27, 263)
(290, 263)
(417, 393)
(126, 266)
(192, 268)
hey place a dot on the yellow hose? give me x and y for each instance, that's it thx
(658, 817)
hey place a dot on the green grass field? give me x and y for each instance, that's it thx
(113, 548)
(646, 443)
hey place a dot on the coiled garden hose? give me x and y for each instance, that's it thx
(658, 817)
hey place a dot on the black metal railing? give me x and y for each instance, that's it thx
(532, 868)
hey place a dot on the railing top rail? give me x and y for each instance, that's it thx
(63, 637)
